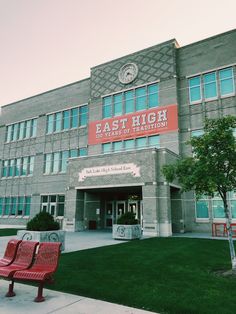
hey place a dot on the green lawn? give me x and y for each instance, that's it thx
(165, 275)
(8, 232)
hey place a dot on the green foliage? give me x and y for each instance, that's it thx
(127, 219)
(213, 165)
(43, 221)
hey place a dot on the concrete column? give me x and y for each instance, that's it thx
(164, 210)
(70, 210)
(150, 205)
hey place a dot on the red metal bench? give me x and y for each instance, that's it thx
(44, 266)
(10, 252)
(23, 260)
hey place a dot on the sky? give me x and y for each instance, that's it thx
(45, 44)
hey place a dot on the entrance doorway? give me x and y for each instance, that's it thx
(109, 214)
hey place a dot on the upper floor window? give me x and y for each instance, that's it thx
(211, 85)
(21, 130)
(136, 99)
(138, 143)
(67, 119)
(18, 167)
(226, 81)
(56, 162)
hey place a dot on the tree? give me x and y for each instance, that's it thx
(212, 168)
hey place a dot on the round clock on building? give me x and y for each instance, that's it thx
(128, 73)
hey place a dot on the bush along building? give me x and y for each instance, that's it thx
(94, 149)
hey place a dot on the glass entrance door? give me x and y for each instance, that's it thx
(120, 208)
(109, 216)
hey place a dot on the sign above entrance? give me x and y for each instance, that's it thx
(131, 168)
(148, 122)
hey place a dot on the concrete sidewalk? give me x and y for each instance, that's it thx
(58, 302)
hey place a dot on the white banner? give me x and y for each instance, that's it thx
(131, 168)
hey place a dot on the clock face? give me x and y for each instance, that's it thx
(128, 73)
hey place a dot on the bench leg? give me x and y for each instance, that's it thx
(40, 297)
(10, 292)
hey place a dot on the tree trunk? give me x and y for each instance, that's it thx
(229, 232)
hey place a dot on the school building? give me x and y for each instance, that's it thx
(91, 150)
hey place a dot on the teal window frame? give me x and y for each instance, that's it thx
(129, 101)
(7, 205)
(64, 159)
(66, 120)
(83, 115)
(107, 107)
(118, 104)
(74, 118)
(202, 209)
(218, 208)
(129, 144)
(107, 148)
(153, 95)
(117, 146)
(227, 86)
(195, 93)
(27, 206)
(83, 151)
(20, 205)
(50, 123)
(210, 86)
(1, 205)
(154, 141)
(141, 98)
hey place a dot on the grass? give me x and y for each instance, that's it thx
(8, 232)
(164, 275)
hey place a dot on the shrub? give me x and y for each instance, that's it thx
(127, 219)
(43, 221)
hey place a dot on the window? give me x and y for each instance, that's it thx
(218, 208)
(74, 118)
(20, 206)
(141, 99)
(107, 107)
(83, 115)
(13, 206)
(56, 162)
(47, 163)
(106, 148)
(129, 101)
(197, 133)
(154, 141)
(54, 204)
(131, 144)
(117, 146)
(27, 205)
(68, 119)
(58, 121)
(50, 123)
(202, 209)
(207, 83)
(210, 89)
(153, 95)
(141, 142)
(1, 206)
(226, 81)
(118, 105)
(22, 130)
(34, 127)
(64, 158)
(83, 152)
(195, 89)
(5, 168)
